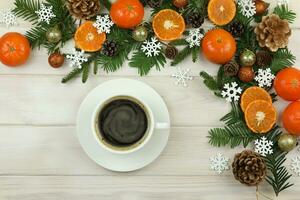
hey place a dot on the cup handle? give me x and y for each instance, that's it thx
(162, 125)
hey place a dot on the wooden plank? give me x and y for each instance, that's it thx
(131, 187)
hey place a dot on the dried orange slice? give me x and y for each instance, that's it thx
(87, 38)
(260, 116)
(168, 25)
(254, 93)
(221, 12)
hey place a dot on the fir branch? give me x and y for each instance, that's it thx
(281, 59)
(85, 72)
(195, 53)
(144, 64)
(234, 116)
(285, 13)
(36, 36)
(209, 81)
(179, 42)
(279, 176)
(106, 3)
(196, 6)
(75, 72)
(26, 9)
(181, 55)
(95, 64)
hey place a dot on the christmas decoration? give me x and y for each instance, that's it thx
(221, 12)
(295, 165)
(8, 18)
(171, 52)
(151, 47)
(248, 8)
(140, 34)
(264, 77)
(194, 37)
(195, 20)
(249, 168)
(182, 76)
(154, 3)
(103, 24)
(54, 35)
(273, 32)
(263, 59)
(110, 48)
(246, 74)
(219, 163)
(83, 9)
(231, 68)
(231, 91)
(290, 118)
(287, 142)
(261, 7)
(180, 3)
(236, 29)
(56, 60)
(263, 146)
(247, 58)
(77, 59)
(45, 14)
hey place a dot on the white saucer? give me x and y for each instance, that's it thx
(137, 159)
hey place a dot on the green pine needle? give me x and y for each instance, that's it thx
(26, 9)
(210, 82)
(181, 56)
(179, 42)
(36, 36)
(281, 59)
(195, 53)
(75, 72)
(284, 13)
(85, 72)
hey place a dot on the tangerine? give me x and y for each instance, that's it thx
(221, 12)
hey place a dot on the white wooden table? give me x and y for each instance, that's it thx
(40, 157)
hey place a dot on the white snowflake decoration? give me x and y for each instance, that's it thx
(182, 77)
(231, 91)
(264, 77)
(295, 165)
(151, 47)
(194, 38)
(248, 7)
(8, 18)
(45, 14)
(77, 59)
(219, 163)
(263, 146)
(282, 2)
(103, 24)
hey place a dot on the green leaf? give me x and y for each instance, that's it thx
(284, 13)
(181, 55)
(75, 72)
(85, 72)
(26, 9)
(281, 59)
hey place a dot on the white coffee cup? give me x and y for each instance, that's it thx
(151, 122)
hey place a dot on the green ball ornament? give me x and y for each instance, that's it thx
(140, 34)
(53, 35)
(247, 58)
(287, 142)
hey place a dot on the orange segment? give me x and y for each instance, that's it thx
(252, 94)
(168, 25)
(221, 12)
(260, 116)
(88, 39)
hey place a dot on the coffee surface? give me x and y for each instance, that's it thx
(122, 122)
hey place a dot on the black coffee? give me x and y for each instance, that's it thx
(122, 122)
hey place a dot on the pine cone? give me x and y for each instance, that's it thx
(83, 9)
(263, 59)
(236, 29)
(195, 20)
(171, 52)
(154, 3)
(231, 68)
(110, 48)
(249, 168)
(273, 32)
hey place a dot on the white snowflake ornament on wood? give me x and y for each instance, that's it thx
(103, 24)
(219, 163)
(45, 14)
(248, 8)
(295, 165)
(151, 47)
(77, 59)
(194, 38)
(8, 18)
(264, 77)
(263, 146)
(182, 76)
(231, 91)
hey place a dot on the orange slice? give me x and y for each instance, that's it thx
(254, 93)
(168, 25)
(88, 39)
(260, 116)
(221, 12)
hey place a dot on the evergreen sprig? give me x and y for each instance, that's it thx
(285, 13)
(281, 59)
(26, 9)
(74, 73)
(183, 54)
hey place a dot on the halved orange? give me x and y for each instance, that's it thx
(168, 25)
(88, 39)
(260, 116)
(254, 93)
(221, 12)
